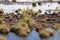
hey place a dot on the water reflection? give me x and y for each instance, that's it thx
(32, 36)
(12, 36)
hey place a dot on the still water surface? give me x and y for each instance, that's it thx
(32, 36)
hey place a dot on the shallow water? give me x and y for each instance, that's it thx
(32, 36)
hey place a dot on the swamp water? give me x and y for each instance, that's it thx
(32, 36)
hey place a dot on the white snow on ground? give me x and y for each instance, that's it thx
(25, 0)
(43, 7)
(31, 0)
